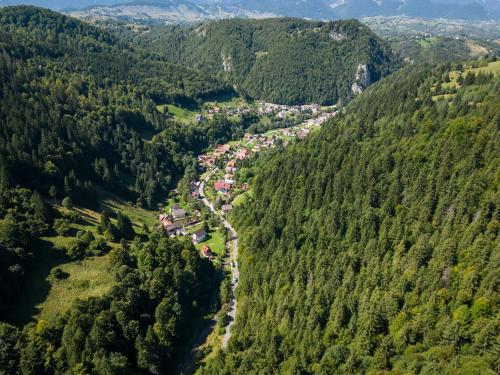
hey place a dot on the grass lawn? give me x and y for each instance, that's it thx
(36, 286)
(242, 198)
(216, 242)
(86, 278)
(89, 277)
(424, 43)
(44, 298)
(196, 227)
(228, 103)
(492, 67)
(210, 193)
(183, 115)
(170, 203)
(204, 175)
(476, 49)
(137, 215)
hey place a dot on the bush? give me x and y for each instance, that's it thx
(62, 227)
(82, 245)
(58, 274)
(73, 216)
(67, 203)
(97, 247)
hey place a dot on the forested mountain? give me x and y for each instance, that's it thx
(78, 112)
(373, 246)
(287, 61)
(139, 327)
(78, 107)
(370, 247)
(331, 9)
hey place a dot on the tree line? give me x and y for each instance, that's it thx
(284, 60)
(372, 247)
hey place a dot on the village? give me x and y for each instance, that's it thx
(225, 186)
(261, 109)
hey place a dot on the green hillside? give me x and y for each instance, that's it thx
(84, 155)
(77, 107)
(373, 246)
(370, 247)
(280, 60)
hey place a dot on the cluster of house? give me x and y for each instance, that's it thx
(177, 222)
(303, 131)
(172, 227)
(262, 141)
(209, 159)
(211, 112)
(282, 111)
(320, 120)
(263, 109)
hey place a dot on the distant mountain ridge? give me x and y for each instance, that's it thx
(314, 9)
(166, 12)
(282, 60)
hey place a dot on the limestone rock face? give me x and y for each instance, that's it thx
(226, 63)
(362, 79)
(337, 36)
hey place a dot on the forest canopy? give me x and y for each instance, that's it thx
(285, 60)
(373, 246)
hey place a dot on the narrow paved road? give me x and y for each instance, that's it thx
(232, 246)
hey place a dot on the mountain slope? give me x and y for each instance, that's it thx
(78, 107)
(373, 247)
(281, 60)
(79, 118)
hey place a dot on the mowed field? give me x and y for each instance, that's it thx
(492, 67)
(86, 278)
(216, 241)
(44, 297)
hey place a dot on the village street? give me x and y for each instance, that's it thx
(231, 256)
(232, 247)
(218, 188)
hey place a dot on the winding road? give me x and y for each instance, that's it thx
(232, 246)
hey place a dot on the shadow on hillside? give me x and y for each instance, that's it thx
(36, 287)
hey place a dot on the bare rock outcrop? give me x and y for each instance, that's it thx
(362, 79)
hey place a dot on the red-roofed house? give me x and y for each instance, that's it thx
(165, 220)
(207, 252)
(242, 154)
(222, 186)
